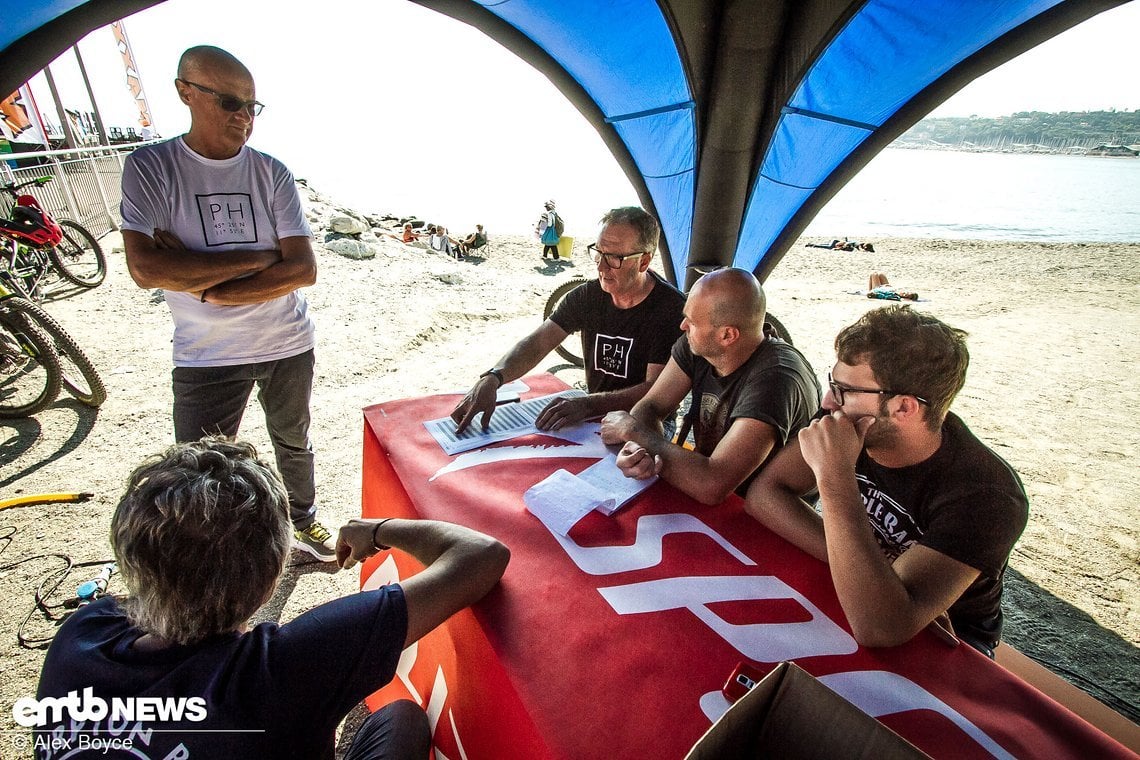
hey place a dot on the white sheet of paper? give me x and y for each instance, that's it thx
(562, 500)
(604, 476)
(508, 421)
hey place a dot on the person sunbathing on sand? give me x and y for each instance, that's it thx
(879, 287)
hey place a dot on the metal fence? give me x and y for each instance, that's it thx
(85, 186)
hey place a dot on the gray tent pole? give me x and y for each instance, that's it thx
(59, 109)
(91, 96)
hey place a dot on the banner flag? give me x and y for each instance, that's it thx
(134, 81)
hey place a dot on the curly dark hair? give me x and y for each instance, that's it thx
(910, 352)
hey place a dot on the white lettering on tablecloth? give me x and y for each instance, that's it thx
(763, 642)
(646, 550)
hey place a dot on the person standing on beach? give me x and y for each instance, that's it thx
(219, 227)
(629, 318)
(547, 231)
(918, 516)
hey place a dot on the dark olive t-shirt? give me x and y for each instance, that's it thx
(776, 385)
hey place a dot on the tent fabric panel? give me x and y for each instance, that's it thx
(662, 144)
(26, 16)
(673, 198)
(772, 205)
(891, 50)
(804, 151)
(622, 54)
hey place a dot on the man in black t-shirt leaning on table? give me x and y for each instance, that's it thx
(918, 516)
(628, 319)
(751, 394)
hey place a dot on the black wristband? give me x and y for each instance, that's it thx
(496, 373)
(376, 527)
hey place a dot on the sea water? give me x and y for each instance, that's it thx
(987, 196)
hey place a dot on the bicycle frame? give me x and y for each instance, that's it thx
(23, 268)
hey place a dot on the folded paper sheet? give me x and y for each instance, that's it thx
(563, 499)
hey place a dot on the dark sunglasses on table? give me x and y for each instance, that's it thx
(230, 103)
(613, 260)
(838, 390)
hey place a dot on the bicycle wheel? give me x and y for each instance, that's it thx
(77, 373)
(78, 257)
(570, 349)
(777, 327)
(29, 369)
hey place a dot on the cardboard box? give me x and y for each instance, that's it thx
(789, 714)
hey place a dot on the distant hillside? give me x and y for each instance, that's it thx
(1036, 131)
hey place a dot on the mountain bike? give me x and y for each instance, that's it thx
(35, 244)
(45, 350)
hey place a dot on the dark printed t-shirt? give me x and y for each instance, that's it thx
(776, 385)
(964, 502)
(272, 692)
(619, 344)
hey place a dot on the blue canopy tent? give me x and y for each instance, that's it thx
(736, 121)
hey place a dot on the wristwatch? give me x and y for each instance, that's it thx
(497, 373)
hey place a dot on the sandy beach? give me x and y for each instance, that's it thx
(1054, 338)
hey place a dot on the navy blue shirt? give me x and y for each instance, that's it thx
(276, 691)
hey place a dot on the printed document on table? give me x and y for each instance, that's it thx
(510, 420)
(563, 499)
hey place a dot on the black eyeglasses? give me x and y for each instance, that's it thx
(230, 103)
(838, 390)
(613, 260)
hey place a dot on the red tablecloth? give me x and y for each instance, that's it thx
(615, 641)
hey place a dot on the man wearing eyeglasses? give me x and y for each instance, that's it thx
(628, 319)
(219, 227)
(918, 516)
(751, 393)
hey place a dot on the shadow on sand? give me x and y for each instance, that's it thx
(28, 430)
(1070, 643)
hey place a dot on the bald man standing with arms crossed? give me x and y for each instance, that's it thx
(219, 227)
(751, 394)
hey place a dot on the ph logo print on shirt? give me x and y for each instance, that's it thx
(611, 354)
(227, 218)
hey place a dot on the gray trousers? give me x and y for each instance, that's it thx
(211, 400)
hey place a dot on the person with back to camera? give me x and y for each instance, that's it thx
(751, 393)
(201, 538)
(628, 319)
(918, 516)
(547, 230)
(220, 228)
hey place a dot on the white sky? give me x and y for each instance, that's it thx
(463, 131)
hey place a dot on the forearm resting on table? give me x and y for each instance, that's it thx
(185, 270)
(461, 566)
(885, 602)
(782, 511)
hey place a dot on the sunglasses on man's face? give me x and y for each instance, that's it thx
(229, 103)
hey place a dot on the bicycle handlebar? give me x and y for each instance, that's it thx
(11, 188)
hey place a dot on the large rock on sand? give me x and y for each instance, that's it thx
(346, 225)
(351, 248)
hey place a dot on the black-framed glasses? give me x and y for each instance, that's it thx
(229, 103)
(838, 390)
(613, 260)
